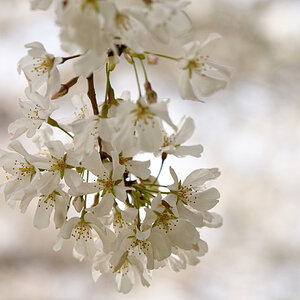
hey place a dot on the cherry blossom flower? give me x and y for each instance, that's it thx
(175, 231)
(57, 164)
(21, 186)
(40, 67)
(202, 76)
(139, 125)
(57, 200)
(81, 230)
(36, 111)
(172, 143)
(161, 18)
(109, 181)
(193, 193)
(127, 273)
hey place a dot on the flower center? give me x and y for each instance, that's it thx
(92, 3)
(48, 201)
(142, 113)
(82, 231)
(43, 65)
(122, 21)
(33, 113)
(22, 169)
(58, 165)
(199, 64)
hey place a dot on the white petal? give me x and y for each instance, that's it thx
(174, 186)
(56, 149)
(184, 234)
(161, 244)
(68, 226)
(120, 192)
(105, 205)
(185, 213)
(182, 151)
(186, 89)
(206, 200)
(139, 168)
(200, 176)
(185, 130)
(61, 209)
(42, 214)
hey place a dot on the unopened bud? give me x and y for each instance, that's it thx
(78, 203)
(96, 199)
(128, 58)
(65, 88)
(152, 59)
(112, 62)
(150, 93)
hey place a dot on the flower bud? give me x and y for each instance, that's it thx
(78, 203)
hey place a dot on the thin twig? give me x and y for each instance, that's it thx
(162, 55)
(92, 95)
(137, 77)
(64, 59)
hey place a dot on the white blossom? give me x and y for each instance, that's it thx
(109, 181)
(36, 111)
(201, 76)
(57, 164)
(40, 67)
(81, 230)
(175, 231)
(57, 200)
(172, 143)
(139, 125)
(161, 18)
(122, 218)
(21, 184)
(191, 196)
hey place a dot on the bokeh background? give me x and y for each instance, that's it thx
(251, 131)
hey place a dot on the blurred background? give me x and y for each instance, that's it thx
(251, 131)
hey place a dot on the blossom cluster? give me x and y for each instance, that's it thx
(101, 194)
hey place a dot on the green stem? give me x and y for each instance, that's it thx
(148, 190)
(87, 180)
(53, 123)
(137, 77)
(107, 83)
(158, 185)
(162, 55)
(160, 169)
(144, 70)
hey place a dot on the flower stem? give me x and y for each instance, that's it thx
(107, 84)
(87, 180)
(64, 59)
(144, 70)
(64, 88)
(53, 123)
(162, 55)
(137, 77)
(163, 158)
(92, 94)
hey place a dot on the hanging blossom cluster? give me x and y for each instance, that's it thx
(102, 196)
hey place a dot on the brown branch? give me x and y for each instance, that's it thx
(92, 96)
(64, 88)
(69, 57)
